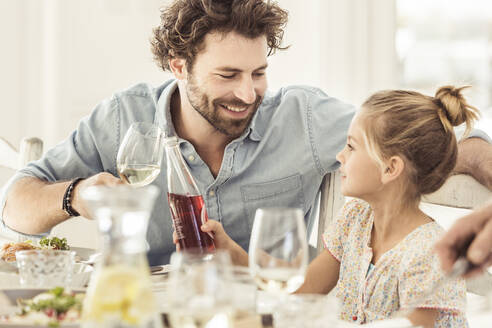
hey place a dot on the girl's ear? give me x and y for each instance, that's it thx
(393, 169)
(178, 67)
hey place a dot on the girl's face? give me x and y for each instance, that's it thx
(361, 175)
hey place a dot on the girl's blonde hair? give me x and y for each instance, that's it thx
(418, 128)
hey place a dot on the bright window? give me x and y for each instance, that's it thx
(447, 42)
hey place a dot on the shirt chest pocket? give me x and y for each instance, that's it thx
(285, 192)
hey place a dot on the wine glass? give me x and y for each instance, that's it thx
(278, 251)
(199, 293)
(140, 154)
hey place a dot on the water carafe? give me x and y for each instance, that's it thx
(119, 292)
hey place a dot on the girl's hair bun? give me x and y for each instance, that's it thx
(453, 109)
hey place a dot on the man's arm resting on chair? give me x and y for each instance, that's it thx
(34, 206)
(475, 159)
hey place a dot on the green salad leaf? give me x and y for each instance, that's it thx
(54, 243)
(60, 303)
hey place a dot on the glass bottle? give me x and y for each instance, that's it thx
(186, 202)
(120, 289)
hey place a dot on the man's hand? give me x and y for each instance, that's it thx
(99, 179)
(476, 226)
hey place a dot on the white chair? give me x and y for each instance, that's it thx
(331, 202)
(460, 192)
(11, 160)
(458, 196)
(79, 232)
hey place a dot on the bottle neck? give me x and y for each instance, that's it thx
(179, 178)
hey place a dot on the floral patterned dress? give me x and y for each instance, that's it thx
(400, 277)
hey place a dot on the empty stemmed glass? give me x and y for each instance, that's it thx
(199, 295)
(140, 154)
(278, 251)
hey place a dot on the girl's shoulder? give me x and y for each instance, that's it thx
(426, 235)
(419, 244)
(357, 210)
(356, 206)
(350, 216)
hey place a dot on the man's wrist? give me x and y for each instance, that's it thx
(68, 198)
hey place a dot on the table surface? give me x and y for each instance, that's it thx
(475, 318)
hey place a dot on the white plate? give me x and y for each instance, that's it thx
(8, 305)
(8, 266)
(22, 325)
(82, 254)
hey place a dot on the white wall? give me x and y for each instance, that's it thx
(346, 47)
(60, 58)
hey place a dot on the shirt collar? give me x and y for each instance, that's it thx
(261, 118)
(163, 113)
(254, 131)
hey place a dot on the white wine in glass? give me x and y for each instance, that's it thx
(278, 251)
(138, 175)
(140, 154)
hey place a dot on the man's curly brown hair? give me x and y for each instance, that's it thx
(185, 23)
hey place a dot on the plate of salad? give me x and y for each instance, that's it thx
(55, 307)
(7, 252)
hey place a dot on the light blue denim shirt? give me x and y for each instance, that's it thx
(279, 160)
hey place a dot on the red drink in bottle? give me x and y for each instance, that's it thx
(189, 214)
(185, 202)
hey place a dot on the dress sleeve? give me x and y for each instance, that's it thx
(420, 275)
(337, 232)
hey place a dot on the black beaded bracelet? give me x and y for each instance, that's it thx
(67, 199)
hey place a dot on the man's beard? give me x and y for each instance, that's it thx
(210, 110)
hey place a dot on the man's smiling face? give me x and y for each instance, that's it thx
(227, 81)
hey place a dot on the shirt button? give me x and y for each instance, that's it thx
(354, 318)
(211, 193)
(191, 158)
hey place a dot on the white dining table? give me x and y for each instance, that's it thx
(479, 309)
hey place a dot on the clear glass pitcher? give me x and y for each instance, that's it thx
(119, 293)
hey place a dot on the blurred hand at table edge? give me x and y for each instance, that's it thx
(100, 179)
(222, 241)
(476, 226)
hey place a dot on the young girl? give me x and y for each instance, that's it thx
(379, 250)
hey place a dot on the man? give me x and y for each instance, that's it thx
(245, 148)
(475, 230)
